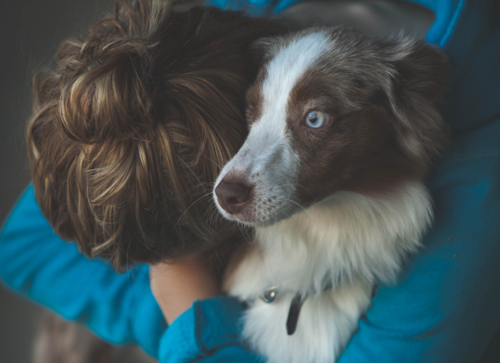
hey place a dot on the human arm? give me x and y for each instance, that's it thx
(208, 332)
(445, 306)
(440, 298)
(35, 262)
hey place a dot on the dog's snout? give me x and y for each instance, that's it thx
(232, 196)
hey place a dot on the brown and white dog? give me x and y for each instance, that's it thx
(343, 129)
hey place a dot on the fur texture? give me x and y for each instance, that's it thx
(349, 239)
(339, 206)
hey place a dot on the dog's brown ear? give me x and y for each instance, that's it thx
(416, 89)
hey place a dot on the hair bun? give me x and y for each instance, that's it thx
(129, 131)
(111, 82)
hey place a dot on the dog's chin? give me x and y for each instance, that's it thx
(250, 219)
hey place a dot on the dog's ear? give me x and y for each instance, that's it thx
(416, 89)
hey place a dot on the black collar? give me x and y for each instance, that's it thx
(271, 293)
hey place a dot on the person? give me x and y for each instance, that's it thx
(130, 128)
(448, 290)
(128, 132)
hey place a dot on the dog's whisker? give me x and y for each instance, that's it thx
(201, 185)
(192, 204)
(307, 190)
(300, 206)
(216, 164)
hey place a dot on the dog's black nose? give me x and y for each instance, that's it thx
(232, 196)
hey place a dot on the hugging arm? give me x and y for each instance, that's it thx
(119, 308)
(208, 332)
(445, 307)
(450, 289)
(41, 266)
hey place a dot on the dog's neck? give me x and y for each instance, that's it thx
(347, 236)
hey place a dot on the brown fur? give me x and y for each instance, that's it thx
(380, 97)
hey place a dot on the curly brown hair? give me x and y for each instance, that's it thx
(131, 127)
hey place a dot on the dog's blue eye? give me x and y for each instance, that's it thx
(316, 119)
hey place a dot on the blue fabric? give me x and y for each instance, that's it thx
(215, 337)
(35, 262)
(444, 309)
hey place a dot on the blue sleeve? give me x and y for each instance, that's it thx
(209, 332)
(38, 264)
(254, 7)
(444, 309)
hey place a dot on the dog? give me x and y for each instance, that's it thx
(342, 131)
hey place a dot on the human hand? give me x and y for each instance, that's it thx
(176, 286)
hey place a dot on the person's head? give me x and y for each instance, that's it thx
(131, 127)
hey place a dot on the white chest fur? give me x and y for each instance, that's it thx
(350, 240)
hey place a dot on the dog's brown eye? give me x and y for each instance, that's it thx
(315, 119)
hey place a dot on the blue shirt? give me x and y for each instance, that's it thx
(446, 306)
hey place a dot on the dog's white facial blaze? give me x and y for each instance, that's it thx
(267, 161)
